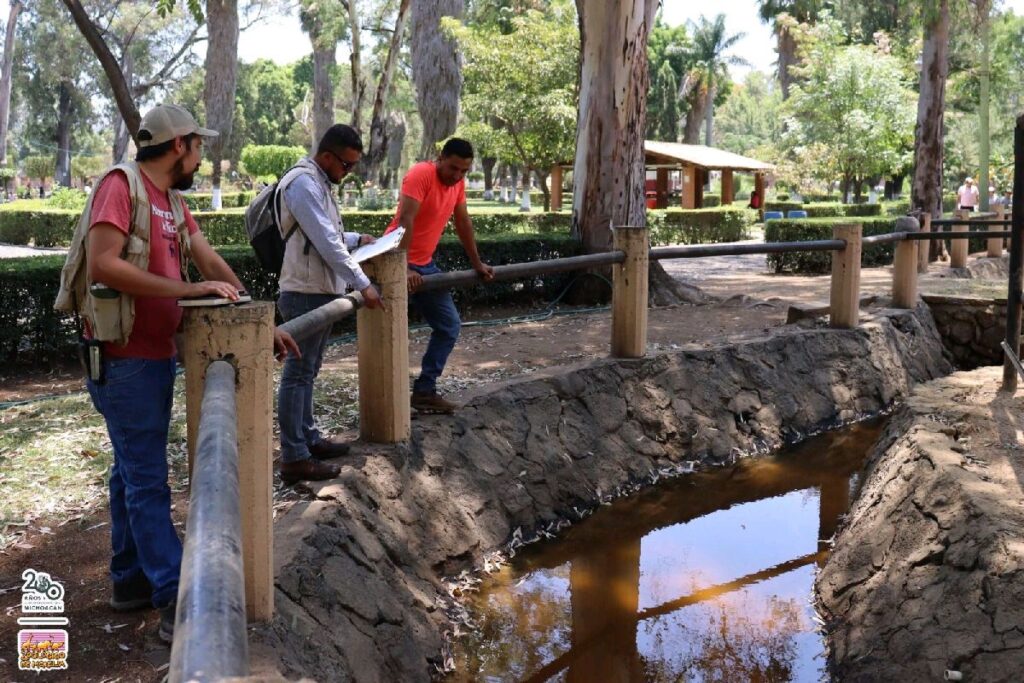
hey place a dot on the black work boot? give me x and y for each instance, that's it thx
(133, 594)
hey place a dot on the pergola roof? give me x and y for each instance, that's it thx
(673, 154)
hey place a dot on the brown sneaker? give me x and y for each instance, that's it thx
(307, 470)
(325, 449)
(432, 403)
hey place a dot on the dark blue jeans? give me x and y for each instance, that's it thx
(295, 393)
(136, 401)
(438, 309)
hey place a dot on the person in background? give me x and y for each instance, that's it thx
(967, 196)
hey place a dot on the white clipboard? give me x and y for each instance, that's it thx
(384, 244)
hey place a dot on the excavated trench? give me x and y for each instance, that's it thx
(369, 574)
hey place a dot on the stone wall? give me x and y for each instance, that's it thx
(361, 590)
(971, 328)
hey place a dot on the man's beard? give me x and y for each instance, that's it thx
(182, 180)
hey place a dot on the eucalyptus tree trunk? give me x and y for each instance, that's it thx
(608, 172)
(926, 190)
(709, 115)
(377, 149)
(221, 77)
(323, 91)
(356, 61)
(394, 142)
(120, 142)
(488, 167)
(436, 71)
(65, 116)
(7, 76)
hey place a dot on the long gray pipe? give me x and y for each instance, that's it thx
(210, 641)
(306, 324)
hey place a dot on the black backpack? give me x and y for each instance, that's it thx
(263, 226)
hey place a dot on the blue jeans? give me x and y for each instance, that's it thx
(438, 309)
(136, 401)
(295, 393)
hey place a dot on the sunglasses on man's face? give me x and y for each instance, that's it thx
(347, 165)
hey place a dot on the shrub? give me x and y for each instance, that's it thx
(897, 207)
(803, 229)
(41, 227)
(263, 160)
(67, 198)
(699, 226)
(832, 209)
(712, 200)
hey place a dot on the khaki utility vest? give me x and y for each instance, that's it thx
(111, 314)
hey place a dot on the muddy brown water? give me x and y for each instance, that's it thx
(707, 577)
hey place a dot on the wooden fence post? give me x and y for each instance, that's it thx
(925, 249)
(244, 335)
(629, 293)
(958, 247)
(995, 244)
(844, 302)
(384, 408)
(904, 270)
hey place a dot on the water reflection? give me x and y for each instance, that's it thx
(707, 578)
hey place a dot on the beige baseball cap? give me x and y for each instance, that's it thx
(167, 121)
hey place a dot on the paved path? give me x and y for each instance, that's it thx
(17, 251)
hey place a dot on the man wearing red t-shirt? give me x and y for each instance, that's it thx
(136, 393)
(432, 192)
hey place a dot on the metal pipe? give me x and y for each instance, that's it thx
(885, 239)
(957, 235)
(1016, 257)
(733, 249)
(979, 221)
(210, 641)
(306, 324)
(515, 271)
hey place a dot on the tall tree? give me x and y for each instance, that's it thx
(781, 14)
(221, 79)
(377, 151)
(324, 23)
(608, 174)
(926, 190)
(436, 70)
(7, 75)
(663, 109)
(709, 71)
(356, 62)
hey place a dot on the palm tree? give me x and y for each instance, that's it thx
(803, 11)
(709, 65)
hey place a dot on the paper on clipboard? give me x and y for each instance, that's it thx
(384, 244)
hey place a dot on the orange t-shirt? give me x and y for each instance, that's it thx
(437, 204)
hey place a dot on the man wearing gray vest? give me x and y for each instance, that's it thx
(316, 268)
(123, 273)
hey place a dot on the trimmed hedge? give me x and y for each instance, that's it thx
(784, 207)
(837, 209)
(699, 226)
(31, 329)
(803, 229)
(44, 227)
(203, 201)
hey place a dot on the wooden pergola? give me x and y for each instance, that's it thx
(694, 162)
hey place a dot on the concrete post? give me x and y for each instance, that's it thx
(384, 409)
(958, 247)
(727, 187)
(245, 334)
(844, 303)
(904, 275)
(661, 188)
(629, 293)
(690, 180)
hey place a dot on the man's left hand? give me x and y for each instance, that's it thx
(485, 271)
(284, 344)
(366, 239)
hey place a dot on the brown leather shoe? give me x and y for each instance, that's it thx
(325, 449)
(432, 403)
(307, 470)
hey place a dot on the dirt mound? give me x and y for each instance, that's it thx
(928, 572)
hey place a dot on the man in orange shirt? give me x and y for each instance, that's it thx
(432, 192)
